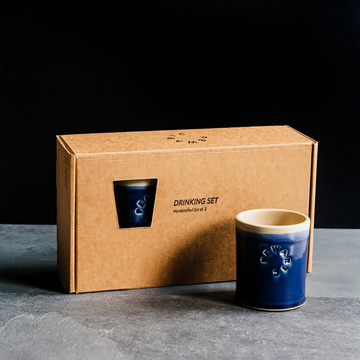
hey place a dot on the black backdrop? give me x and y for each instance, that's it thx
(80, 67)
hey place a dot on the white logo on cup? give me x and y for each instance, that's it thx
(275, 252)
(140, 205)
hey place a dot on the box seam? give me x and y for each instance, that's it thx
(75, 279)
(312, 204)
(65, 146)
(300, 133)
(213, 149)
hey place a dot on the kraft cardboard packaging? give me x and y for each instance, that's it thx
(203, 178)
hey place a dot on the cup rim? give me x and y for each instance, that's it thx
(135, 182)
(244, 222)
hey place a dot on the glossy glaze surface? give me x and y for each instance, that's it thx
(271, 269)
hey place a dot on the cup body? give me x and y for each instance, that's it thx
(135, 202)
(271, 258)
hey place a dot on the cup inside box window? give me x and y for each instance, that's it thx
(271, 258)
(135, 202)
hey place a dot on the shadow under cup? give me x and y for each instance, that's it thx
(135, 202)
(271, 259)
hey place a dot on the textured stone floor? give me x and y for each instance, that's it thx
(38, 320)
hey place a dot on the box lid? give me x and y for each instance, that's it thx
(168, 140)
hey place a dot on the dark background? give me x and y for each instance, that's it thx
(80, 67)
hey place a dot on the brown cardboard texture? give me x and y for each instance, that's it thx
(203, 179)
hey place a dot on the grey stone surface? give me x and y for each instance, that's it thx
(38, 320)
(336, 270)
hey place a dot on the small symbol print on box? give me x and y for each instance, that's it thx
(181, 136)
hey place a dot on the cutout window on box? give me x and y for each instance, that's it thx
(135, 201)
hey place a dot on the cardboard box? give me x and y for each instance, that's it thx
(204, 178)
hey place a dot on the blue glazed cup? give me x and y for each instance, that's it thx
(271, 259)
(135, 202)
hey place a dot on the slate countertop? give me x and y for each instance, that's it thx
(38, 320)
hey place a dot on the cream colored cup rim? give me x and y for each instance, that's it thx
(136, 182)
(249, 220)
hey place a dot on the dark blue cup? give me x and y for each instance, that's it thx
(271, 259)
(135, 202)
